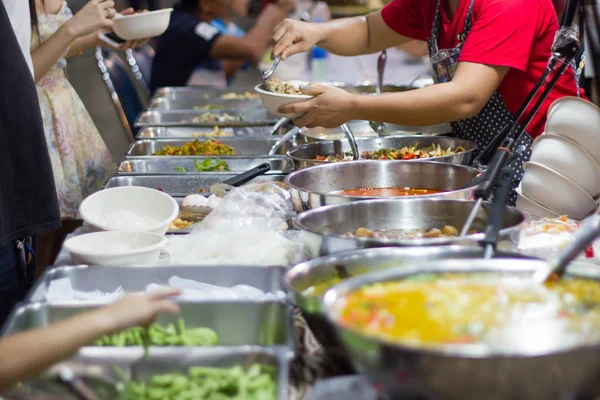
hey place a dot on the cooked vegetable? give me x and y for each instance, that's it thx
(432, 233)
(157, 335)
(390, 153)
(210, 147)
(278, 86)
(209, 107)
(207, 383)
(239, 96)
(486, 309)
(216, 132)
(214, 117)
(207, 166)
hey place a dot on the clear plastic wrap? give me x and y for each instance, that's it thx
(545, 237)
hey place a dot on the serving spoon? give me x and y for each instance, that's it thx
(265, 76)
(350, 136)
(379, 127)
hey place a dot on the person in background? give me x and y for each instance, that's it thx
(28, 203)
(137, 5)
(80, 159)
(191, 40)
(26, 355)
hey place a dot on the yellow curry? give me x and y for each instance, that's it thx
(431, 311)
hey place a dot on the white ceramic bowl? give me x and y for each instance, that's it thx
(143, 25)
(555, 191)
(529, 206)
(272, 101)
(127, 208)
(578, 120)
(116, 248)
(566, 157)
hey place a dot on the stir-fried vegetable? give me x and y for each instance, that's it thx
(157, 335)
(210, 147)
(209, 107)
(390, 153)
(239, 96)
(214, 117)
(207, 383)
(208, 165)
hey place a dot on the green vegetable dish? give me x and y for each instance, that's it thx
(208, 165)
(207, 383)
(157, 335)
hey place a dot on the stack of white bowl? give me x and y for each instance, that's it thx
(563, 174)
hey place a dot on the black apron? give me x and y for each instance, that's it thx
(494, 117)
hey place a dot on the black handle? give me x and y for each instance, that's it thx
(490, 176)
(247, 176)
(494, 225)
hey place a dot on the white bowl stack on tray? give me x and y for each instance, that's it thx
(563, 174)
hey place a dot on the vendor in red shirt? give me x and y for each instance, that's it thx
(486, 56)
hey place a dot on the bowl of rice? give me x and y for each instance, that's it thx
(129, 208)
(116, 248)
(281, 93)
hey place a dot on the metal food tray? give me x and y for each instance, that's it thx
(250, 117)
(101, 375)
(199, 93)
(90, 278)
(237, 323)
(169, 165)
(197, 133)
(243, 146)
(182, 185)
(215, 103)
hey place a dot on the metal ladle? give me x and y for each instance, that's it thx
(351, 140)
(264, 76)
(379, 127)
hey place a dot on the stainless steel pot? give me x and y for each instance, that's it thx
(304, 156)
(323, 229)
(552, 371)
(312, 187)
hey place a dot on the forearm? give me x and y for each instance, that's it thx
(344, 37)
(260, 34)
(232, 66)
(431, 105)
(26, 355)
(49, 52)
(83, 43)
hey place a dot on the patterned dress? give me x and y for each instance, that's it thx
(80, 159)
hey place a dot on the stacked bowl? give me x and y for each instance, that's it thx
(563, 174)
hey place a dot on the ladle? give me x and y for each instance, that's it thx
(494, 225)
(379, 127)
(264, 76)
(351, 140)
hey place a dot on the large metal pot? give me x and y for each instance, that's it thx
(323, 229)
(312, 187)
(468, 372)
(362, 129)
(304, 156)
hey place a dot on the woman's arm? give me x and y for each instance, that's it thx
(465, 96)
(28, 354)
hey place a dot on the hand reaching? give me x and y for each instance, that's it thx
(95, 15)
(293, 37)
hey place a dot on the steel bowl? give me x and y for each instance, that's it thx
(362, 129)
(354, 263)
(312, 187)
(323, 229)
(550, 370)
(304, 156)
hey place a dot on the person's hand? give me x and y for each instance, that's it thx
(293, 37)
(137, 309)
(95, 15)
(330, 108)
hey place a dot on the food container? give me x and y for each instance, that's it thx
(142, 25)
(202, 104)
(204, 93)
(247, 117)
(205, 132)
(272, 101)
(173, 165)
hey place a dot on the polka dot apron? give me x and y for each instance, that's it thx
(494, 117)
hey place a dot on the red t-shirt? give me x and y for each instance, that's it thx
(513, 33)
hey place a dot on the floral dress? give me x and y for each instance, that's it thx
(80, 159)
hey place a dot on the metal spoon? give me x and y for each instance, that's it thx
(590, 230)
(351, 140)
(379, 127)
(279, 124)
(265, 76)
(288, 136)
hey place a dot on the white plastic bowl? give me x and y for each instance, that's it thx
(144, 202)
(555, 191)
(143, 25)
(566, 157)
(529, 206)
(578, 120)
(116, 248)
(272, 101)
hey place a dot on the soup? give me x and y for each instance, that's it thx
(441, 310)
(387, 192)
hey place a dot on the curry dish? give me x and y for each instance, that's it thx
(387, 192)
(435, 310)
(210, 147)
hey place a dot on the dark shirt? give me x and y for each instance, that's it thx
(28, 203)
(185, 45)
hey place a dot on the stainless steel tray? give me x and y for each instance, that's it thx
(243, 146)
(199, 93)
(237, 323)
(214, 103)
(90, 278)
(182, 185)
(169, 165)
(250, 117)
(202, 132)
(99, 369)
